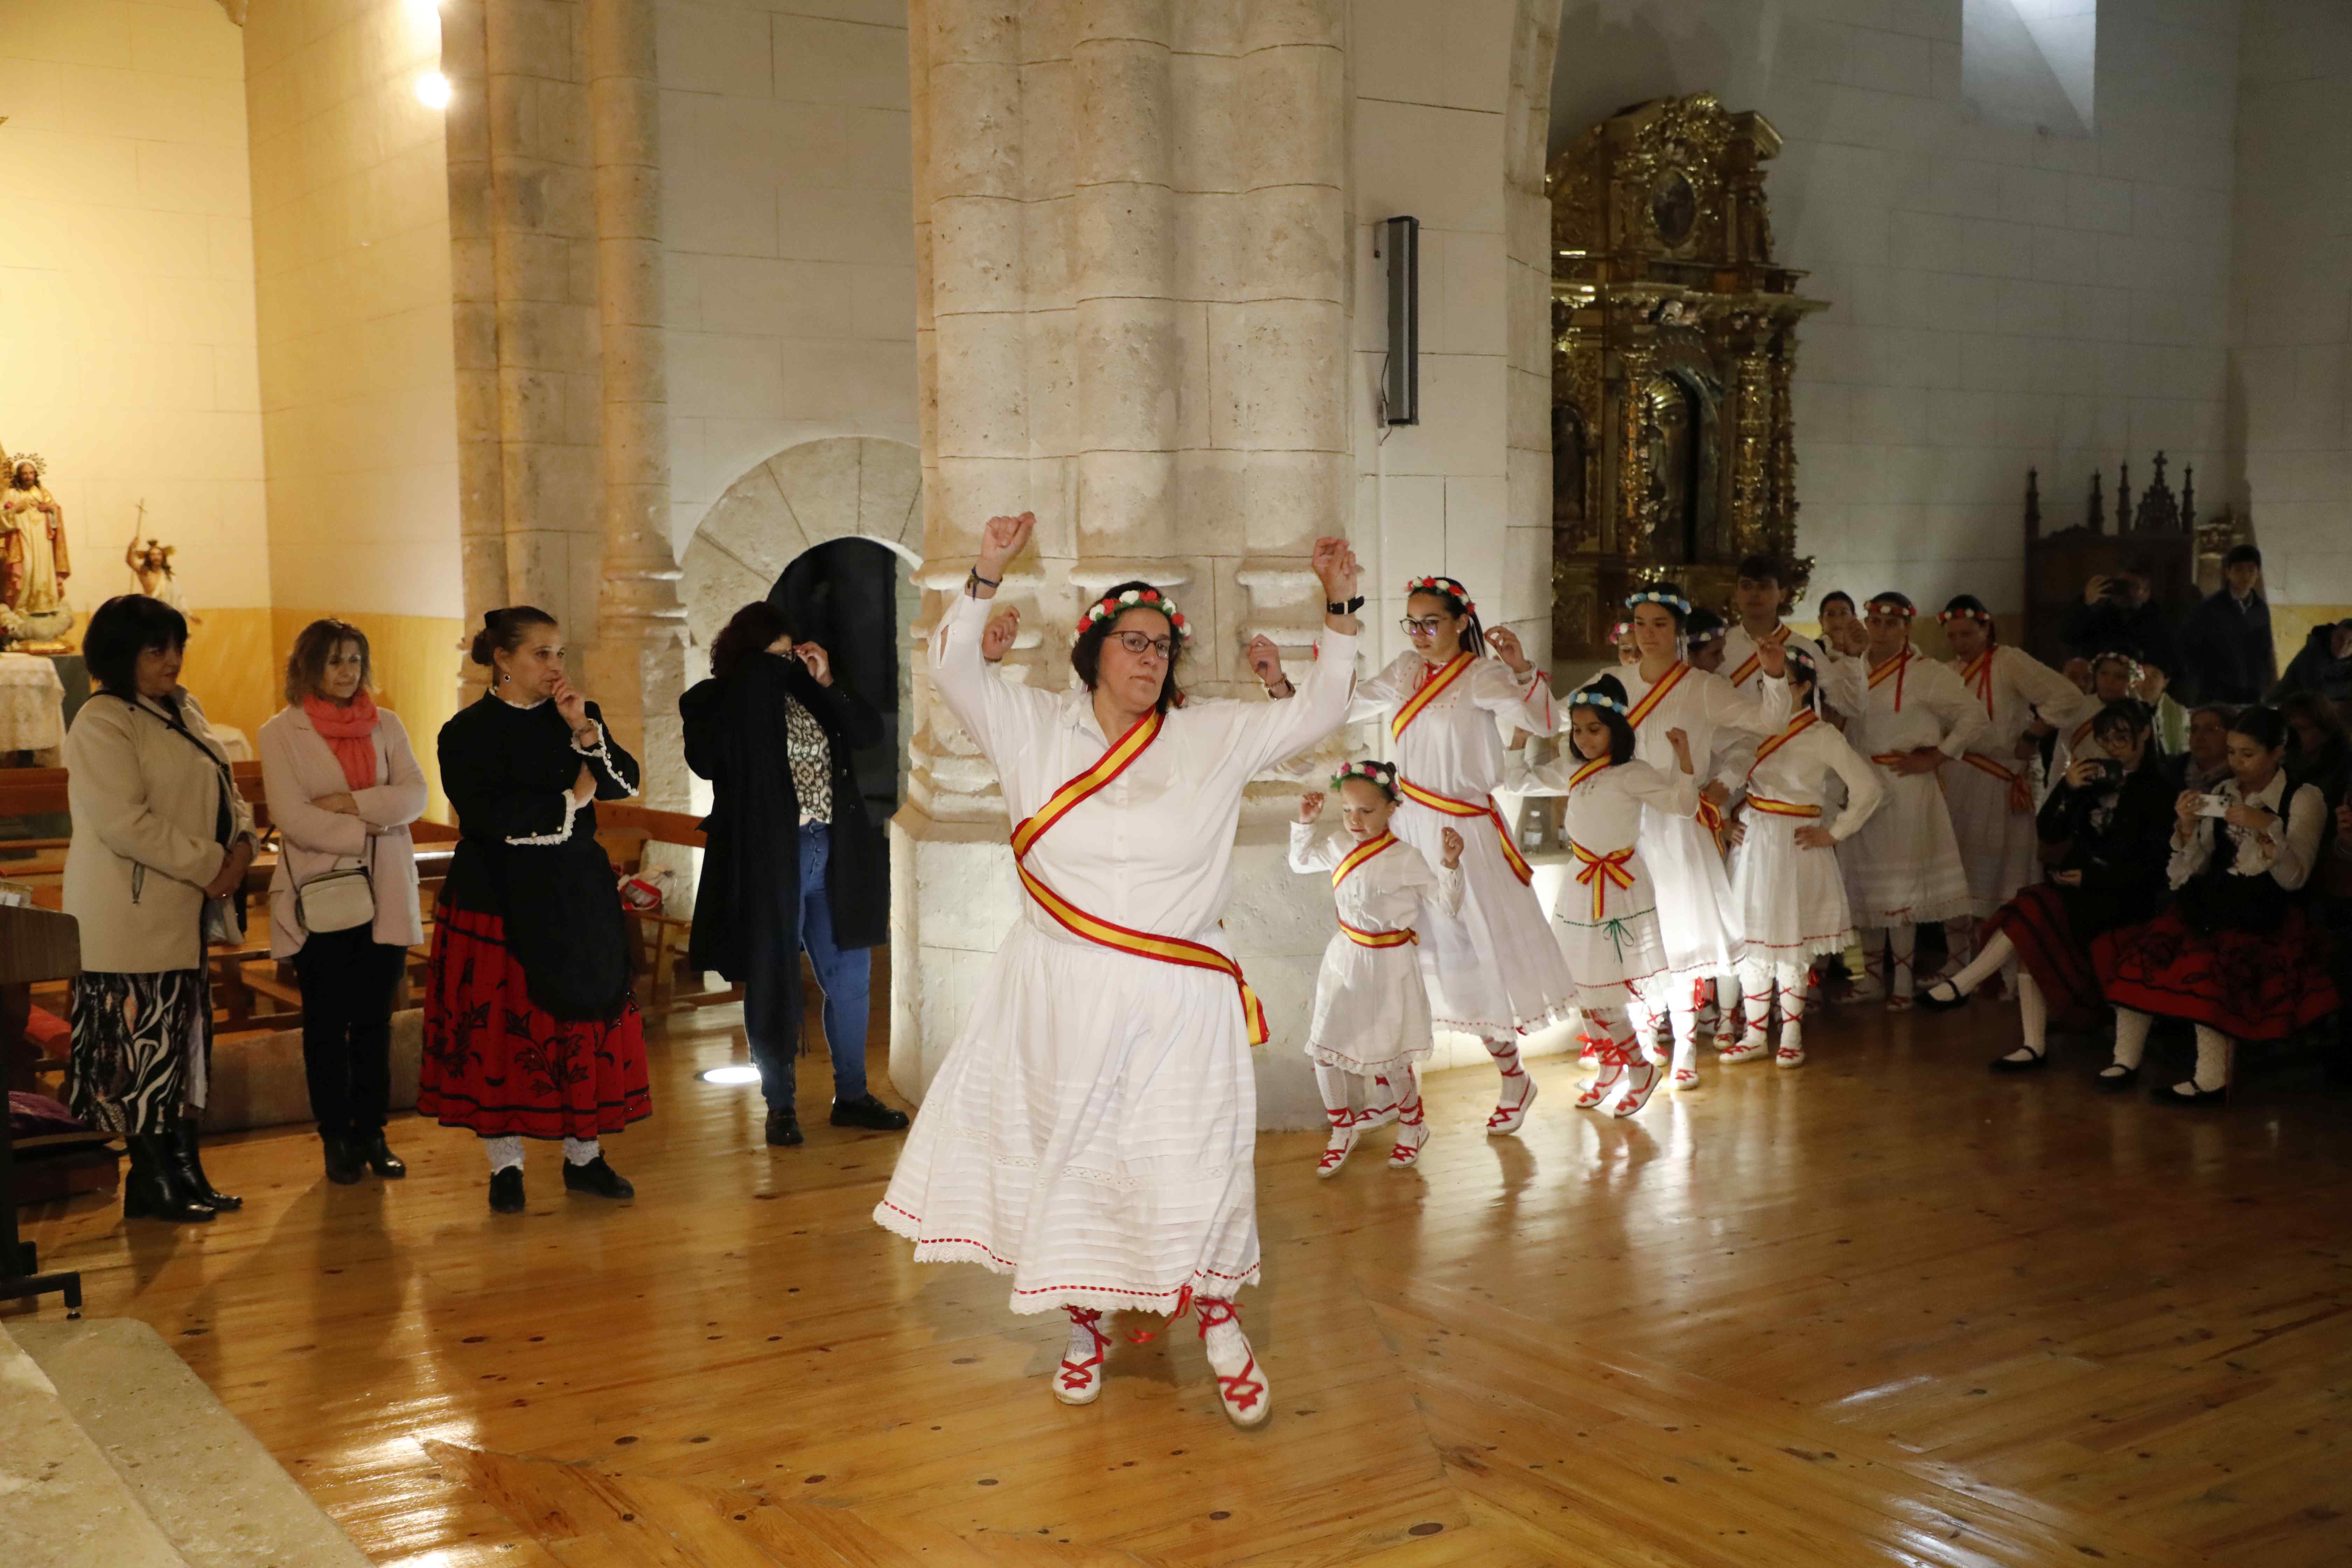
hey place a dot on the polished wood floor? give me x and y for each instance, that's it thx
(1885, 1309)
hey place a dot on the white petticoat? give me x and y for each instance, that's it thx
(1371, 1009)
(1090, 1133)
(1696, 919)
(1997, 844)
(1904, 866)
(1792, 900)
(1494, 970)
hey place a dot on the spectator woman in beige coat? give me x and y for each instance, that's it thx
(158, 830)
(343, 787)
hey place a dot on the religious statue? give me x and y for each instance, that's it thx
(150, 561)
(34, 561)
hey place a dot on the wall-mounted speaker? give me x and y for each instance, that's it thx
(1398, 247)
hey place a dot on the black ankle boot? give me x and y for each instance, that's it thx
(343, 1156)
(151, 1190)
(596, 1177)
(189, 1169)
(380, 1158)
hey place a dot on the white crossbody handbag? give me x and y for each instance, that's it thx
(335, 900)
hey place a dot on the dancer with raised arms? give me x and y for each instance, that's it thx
(1371, 1010)
(1091, 1131)
(1608, 915)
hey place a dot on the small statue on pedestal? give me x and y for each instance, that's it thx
(34, 560)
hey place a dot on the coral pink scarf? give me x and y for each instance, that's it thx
(349, 733)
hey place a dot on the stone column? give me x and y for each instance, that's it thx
(1132, 243)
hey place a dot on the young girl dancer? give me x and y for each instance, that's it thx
(1371, 1010)
(1784, 873)
(1696, 918)
(1608, 916)
(1493, 970)
(1904, 866)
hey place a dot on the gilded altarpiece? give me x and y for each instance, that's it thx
(1674, 338)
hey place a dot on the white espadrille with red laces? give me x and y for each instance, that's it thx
(1383, 1110)
(1510, 1112)
(1241, 1387)
(1604, 1082)
(1079, 1379)
(1412, 1129)
(1641, 1080)
(1346, 1127)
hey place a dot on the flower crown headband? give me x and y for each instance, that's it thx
(1589, 698)
(1706, 634)
(1673, 601)
(1445, 586)
(1111, 605)
(1946, 618)
(1895, 605)
(1380, 775)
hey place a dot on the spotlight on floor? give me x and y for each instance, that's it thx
(736, 1073)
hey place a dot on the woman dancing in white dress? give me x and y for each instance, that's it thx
(1785, 878)
(1610, 933)
(1091, 1131)
(1372, 1008)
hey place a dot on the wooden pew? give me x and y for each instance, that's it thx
(661, 938)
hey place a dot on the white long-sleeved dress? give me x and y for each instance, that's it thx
(1493, 970)
(1697, 917)
(1792, 898)
(1608, 917)
(1371, 1007)
(1091, 1131)
(1904, 866)
(1995, 831)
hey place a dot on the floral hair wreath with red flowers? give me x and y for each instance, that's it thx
(1946, 618)
(1380, 775)
(1445, 586)
(1111, 606)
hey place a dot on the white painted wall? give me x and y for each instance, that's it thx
(127, 356)
(2001, 299)
(2292, 375)
(787, 210)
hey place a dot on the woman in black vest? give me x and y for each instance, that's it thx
(791, 860)
(2234, 955)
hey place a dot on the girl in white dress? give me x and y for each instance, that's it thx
(1493, 970)
(1695, 914)
(1904, 866)
(1091, 1131)
(1371, 1010)
(1784, 871)
(1608, 915)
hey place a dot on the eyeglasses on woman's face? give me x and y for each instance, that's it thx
(1139, 645)
(1423, 625)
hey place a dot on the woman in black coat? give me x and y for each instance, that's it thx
(2106, 831)
(791, 860)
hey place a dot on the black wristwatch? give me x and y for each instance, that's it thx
(1335, 607)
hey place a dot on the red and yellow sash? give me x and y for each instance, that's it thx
(2020, 793)
(1649, 705)
(1105, 933)
(1600, 871)
(1895, 668)
(1437, 682)
(1452, 807)
(1363, 938)
(1772, 808)
(1587, 771)
(1888, 759)
(1803, 721)
(1756, 660)
(1358, 856)
(1710, 816)
(1978, 672)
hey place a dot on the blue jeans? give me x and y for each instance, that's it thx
(841, 976)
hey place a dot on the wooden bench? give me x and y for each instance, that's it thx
(660, 939)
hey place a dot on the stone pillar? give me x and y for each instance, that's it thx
(637, 664)
(1132, 250)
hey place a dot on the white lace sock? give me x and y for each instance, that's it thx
(506, 1154)
(1756, 1002)
(1997, 951)
(2131, 1036)
(581, 1151)
(2212, 1058)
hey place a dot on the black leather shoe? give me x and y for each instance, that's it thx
(342, 1155)
(506, 1190)
(151, 1190)
(783, 1130)
(2031, 1064)
(2107, 1082)
(1951, 999)
(371, 1147)
(2168, 1095)
(188, 1169)
(870, 1113)
(598, 1178)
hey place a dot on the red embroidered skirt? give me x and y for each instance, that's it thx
(2251, 985)
(497, 1063)
(2041, 926)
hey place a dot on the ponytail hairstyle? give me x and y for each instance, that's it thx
(1382, 776)
(1457, 602)
(2265, 727)
(1802, 667)
(1604, 697)
(1086, 654)
(503, 631)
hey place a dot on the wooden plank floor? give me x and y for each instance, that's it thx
(1884, 1309)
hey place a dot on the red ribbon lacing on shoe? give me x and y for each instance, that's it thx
(1145, 1336)
(1077, 1374)
(1241, 1390)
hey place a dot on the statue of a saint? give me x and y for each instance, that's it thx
(34, 563)
(150, 561)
